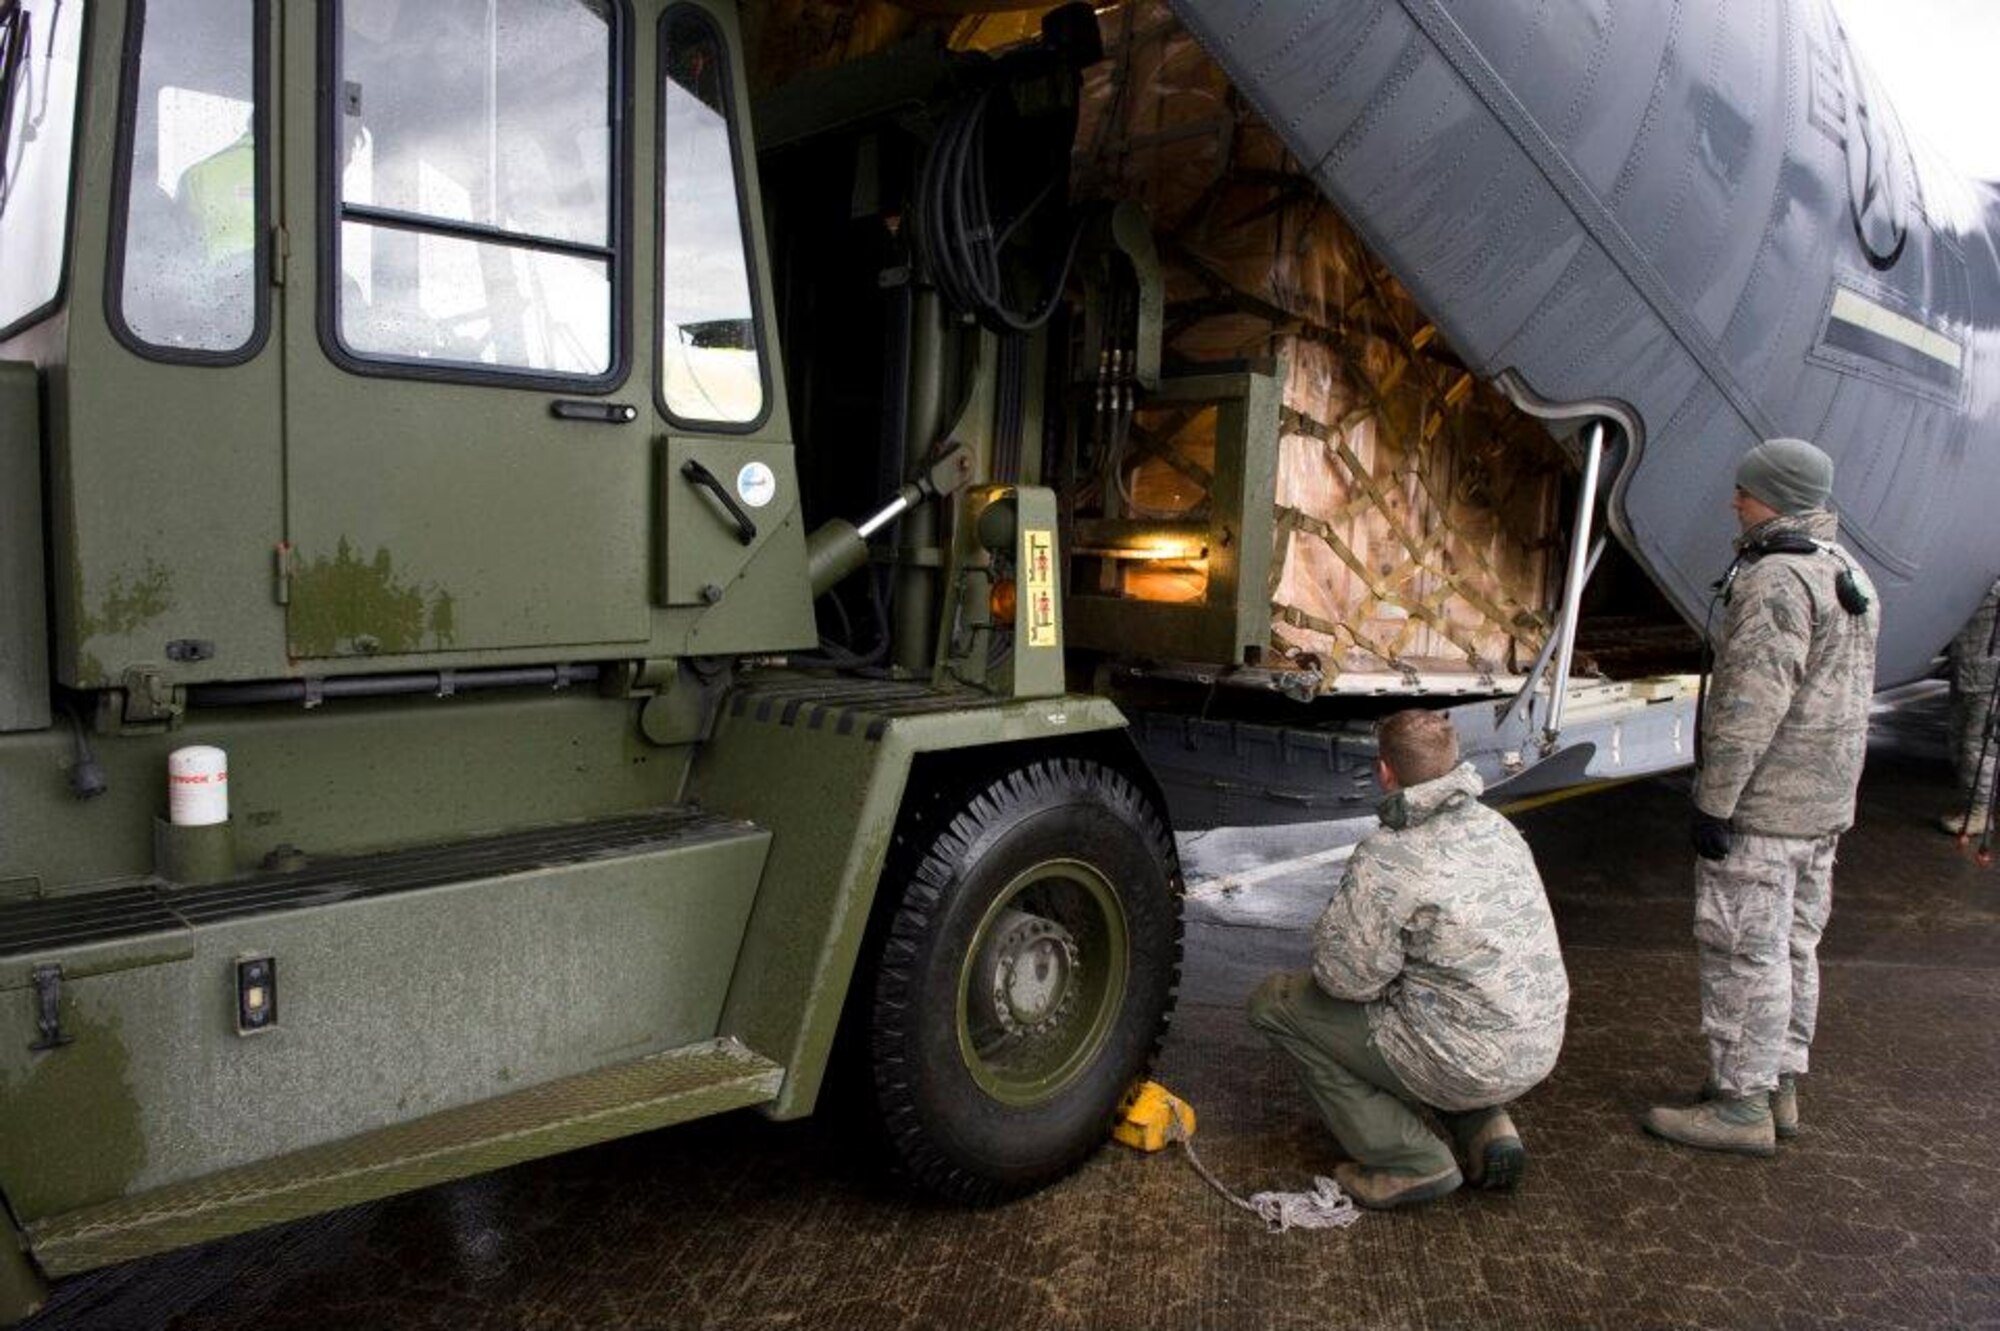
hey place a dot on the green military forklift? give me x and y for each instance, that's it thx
(504, 644)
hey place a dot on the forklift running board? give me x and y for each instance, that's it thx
(652, 1092)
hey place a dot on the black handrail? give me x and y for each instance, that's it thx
(746, 530)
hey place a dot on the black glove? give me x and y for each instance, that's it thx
(1712, 836)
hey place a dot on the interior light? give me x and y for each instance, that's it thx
(1150, 549)
(1002, 601)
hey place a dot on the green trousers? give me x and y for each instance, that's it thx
(1371, 1113)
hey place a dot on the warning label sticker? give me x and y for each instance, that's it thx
(1038, 578)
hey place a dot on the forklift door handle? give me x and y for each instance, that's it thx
(746, 530)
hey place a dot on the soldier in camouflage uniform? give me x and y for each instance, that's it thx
(1783, 732)
(1975, 670)
(1436, 980)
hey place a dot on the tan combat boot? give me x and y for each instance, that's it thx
(1387, 1189)
(1784, 1105)
(1965, 824)
(1495, 1160)
(1785, 1108)
(1722, 1124)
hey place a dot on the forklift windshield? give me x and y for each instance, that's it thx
(39, 47)
(15, 31)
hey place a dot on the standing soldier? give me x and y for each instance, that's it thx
(1975, 749)
(1783, 733)
(1436, 980)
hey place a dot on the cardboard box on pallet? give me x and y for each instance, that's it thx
(1415, 506)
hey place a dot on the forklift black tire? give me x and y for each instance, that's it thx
(1024, 979)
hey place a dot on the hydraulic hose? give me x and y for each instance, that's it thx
(440, 683)
(956, 235)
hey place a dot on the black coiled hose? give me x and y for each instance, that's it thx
(956, 235)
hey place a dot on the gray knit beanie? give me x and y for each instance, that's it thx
(1790, 475)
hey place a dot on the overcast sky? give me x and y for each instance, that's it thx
(1940, 61)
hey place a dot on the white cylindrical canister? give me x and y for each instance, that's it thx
(197, 786)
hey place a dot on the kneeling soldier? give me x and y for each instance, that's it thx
(1436, 981)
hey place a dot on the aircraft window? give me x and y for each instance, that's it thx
(711, 365)
(188, 270)
(40, 42)
(474, 151)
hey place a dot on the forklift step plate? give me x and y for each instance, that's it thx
(647, 1093)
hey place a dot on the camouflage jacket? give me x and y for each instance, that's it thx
(1785, 725)
(1441, 927)
(1974, 666)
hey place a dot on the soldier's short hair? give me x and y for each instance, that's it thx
(1418, 745)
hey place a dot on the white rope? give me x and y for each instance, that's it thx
(1325, 1207)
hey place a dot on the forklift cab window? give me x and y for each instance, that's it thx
(711, 368)
(40, 41)
(472, 156)
(187, 272)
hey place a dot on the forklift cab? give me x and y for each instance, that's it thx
(395, 335)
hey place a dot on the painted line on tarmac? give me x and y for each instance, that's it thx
(1223, 884)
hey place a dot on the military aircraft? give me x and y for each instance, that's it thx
(1704, 221)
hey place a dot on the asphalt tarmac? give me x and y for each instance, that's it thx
(1885, 1212)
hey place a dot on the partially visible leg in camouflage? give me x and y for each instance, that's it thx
(1743, 922)
(1975, 674)
(1812, 902)
(1970, 710)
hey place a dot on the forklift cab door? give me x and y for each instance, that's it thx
(467, 265)
(529, 403)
